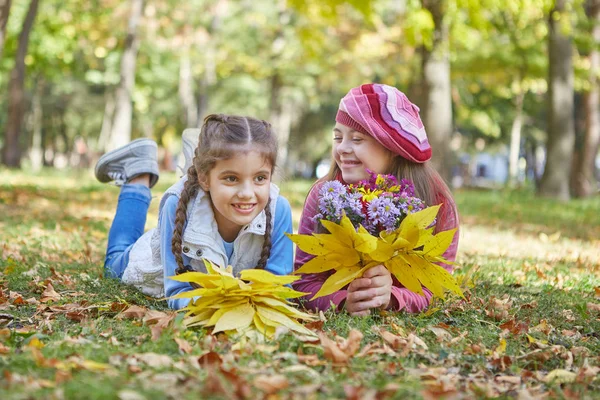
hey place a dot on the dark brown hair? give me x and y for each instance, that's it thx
(222, 137)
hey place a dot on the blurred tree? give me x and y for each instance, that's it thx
(121, 126)
(11, 152)
(504, 52)
(4, 12)
(436, 88)
(561, 126)
(583, 177)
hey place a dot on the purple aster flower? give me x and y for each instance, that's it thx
(383, 211)
(407, 187)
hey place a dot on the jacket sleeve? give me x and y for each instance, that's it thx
(280, 260)
(166, 225)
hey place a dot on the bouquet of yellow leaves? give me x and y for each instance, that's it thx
(378, 221)
(257, 302)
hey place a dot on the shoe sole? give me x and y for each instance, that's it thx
(117, 153)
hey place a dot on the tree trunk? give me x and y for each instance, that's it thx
(584, 182)
(11, 153)
(36, 153)
(186, 89)
(121, 127)
(109, 111)
(209, 78)
(561, 124)
(437, 97)
(4, 12)
(515, 140)
(280, 117)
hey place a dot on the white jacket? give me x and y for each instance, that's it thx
(201, 240)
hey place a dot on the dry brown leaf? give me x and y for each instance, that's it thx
(351, 345)
(49, 294)
(311, 360)
(156, 331)
(515, 380)
(543, 327)
(210, 360)
(184, 346)
(134, 312)
(271, 384)
(440, 333)
(155, 360)
(332, 351)
(593, 307)
(158, 317)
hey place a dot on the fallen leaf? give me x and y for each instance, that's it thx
(593, 307)
(440, 333)
(332, 351)
(560, 376)
(210, 359)
(49, 294)
(184, 346)
(134, 312)
(155, 360)
(4, 349)
(271, 384)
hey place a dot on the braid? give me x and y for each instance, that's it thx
(190, 188)
(266, 250)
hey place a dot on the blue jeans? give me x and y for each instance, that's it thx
(127, 228)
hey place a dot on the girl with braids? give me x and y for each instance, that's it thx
(225, 209)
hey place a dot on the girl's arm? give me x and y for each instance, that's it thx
(280, 261)
(166, 226)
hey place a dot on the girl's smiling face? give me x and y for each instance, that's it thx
(355, 152)
(239, 190)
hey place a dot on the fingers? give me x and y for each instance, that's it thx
(360, 283)
(364, 300)
(366, 305)
(373, 290)
(378, 270)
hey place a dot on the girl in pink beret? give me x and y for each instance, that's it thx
(378, 129)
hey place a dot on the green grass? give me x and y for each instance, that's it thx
(531, 268)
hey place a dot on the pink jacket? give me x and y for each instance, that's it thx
(402, 298)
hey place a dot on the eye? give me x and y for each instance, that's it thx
(230, 178)
(357, 139)
(337, 138)
(261, 178)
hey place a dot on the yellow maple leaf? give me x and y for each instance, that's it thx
(410, 253)
(256, 302)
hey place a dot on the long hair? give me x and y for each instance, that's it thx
(221, 138)
(429, 184)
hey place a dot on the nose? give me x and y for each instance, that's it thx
(344, 147)
(245, 190)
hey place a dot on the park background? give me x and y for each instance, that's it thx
(508, 93)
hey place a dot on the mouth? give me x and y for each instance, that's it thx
(244, 208)
(349, 163)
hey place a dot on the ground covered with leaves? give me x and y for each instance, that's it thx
(530, 327)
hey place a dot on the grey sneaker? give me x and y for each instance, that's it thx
(127, 162)
(189, 142)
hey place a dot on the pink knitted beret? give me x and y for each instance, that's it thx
(385, 113)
